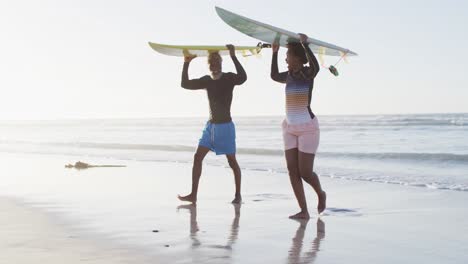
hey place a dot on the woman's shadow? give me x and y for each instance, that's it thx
(295, 253)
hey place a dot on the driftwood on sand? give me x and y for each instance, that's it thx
(82, 165)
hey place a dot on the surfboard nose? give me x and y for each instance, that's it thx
(272, 34)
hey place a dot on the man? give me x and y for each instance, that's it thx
(219, 134)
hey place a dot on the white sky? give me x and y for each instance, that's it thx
(90, 59)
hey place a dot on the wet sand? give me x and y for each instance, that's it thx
(132, 215)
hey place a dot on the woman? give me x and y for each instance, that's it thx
(301, 132)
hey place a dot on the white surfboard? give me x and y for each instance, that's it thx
(202, 51)
(271, 34)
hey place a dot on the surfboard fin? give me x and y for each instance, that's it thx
(344, 55)
(321, 59)
(321, 52)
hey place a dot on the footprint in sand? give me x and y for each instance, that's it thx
(333, 211)
(268, 196)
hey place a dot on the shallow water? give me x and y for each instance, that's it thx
(420, 150)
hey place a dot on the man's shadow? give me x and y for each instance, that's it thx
(193, 223)
(234, 226)
(295, 253)
(234, 232)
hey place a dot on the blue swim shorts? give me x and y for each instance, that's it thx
(219, 138)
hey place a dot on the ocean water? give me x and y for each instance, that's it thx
(429, 151)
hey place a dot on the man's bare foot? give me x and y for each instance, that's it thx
(322, 202)
(189, 198)
(237, 199)
(300, 215)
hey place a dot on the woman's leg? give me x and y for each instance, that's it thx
(306, 170)
(296, 182)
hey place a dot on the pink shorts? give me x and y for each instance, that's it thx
(305, 136)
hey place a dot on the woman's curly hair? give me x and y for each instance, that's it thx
(297, 50)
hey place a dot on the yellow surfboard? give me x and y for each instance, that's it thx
(201, 51)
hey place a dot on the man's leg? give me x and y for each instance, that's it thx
(196, 173)
(237, 177)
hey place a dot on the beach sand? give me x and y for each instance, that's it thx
(31, 236)
(131, 215)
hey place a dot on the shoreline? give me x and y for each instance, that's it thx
(108, 215)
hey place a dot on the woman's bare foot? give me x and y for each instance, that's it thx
(189, 198)
(237, 199)
(322, 202)
(300, 215)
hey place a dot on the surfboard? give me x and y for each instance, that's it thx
(271, 34)
(202, 51)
